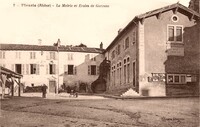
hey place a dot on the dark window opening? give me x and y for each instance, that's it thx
(70, 69)
(93, 69)
(18, 68)
(33, 68)
(52, 69)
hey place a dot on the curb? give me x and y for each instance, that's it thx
(148, 97)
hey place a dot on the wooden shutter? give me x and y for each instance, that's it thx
(89, 70)
(23, 69)
(48, 55)
(55, 55)
(75, 71)
(37, 69)
(47, 69)
(97, 69)
(65, 69)
(27, 69)
(55, 69)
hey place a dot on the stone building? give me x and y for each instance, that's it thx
(52, 65)
(157, 53)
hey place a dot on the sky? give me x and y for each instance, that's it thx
(21, 24)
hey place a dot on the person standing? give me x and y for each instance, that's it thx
(44, 91)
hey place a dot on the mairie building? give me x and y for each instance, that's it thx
(52, 65)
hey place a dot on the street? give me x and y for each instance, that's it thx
(154, 112)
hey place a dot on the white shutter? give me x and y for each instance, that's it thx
(55, 55)
(47, 69)
(48, 55)
(75, 70)
(37, 69)
(23, 69)
(55, 68)
(97, 69)
(27, 69)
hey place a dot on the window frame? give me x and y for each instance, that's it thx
(175, 40)
(127, 41)
(179, 78)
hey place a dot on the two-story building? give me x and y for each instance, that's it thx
(52, 65)
(157, 53)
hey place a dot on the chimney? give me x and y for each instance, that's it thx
(101, 45)
(195, 5)
(58, 42)
(120, 30)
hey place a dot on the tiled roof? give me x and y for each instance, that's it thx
(49, 48)
(137, 18)
(166, 8)
(4, 70)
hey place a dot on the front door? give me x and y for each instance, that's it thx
(52, 86)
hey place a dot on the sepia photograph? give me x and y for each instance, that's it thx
(100, 63)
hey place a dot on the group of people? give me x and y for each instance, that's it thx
(73, 92)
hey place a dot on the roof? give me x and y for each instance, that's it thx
(49, 48)
(6, 71)
(140, 17)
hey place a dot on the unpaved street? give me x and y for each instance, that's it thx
(160, 112)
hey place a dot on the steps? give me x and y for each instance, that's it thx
(130, 93)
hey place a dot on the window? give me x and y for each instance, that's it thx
(52, 69)
(93, 70)
(113, 54)
(52, 55)
(2, 55)
(134, 37)
(128, 72)
(18, 55)
(93, 57)
(175, 33)
(127, 43)
(124, 73)
(70, 69)
(176, 78)
(118, 49)
(70, 56)
(32, 55)
(34, 68)
(18, 68)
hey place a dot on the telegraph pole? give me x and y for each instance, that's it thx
(58, 45)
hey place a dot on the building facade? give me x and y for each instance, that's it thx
(157, 53)
(51, 65)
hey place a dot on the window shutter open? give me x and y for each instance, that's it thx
(55, 69)
(23, 69)
(89, 70)
(55, 55)
(37, 69)
(48, 55)
(27, 69)
(75, 70)
(97, 70)
(47, 69)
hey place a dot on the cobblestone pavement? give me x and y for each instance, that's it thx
(58, 112)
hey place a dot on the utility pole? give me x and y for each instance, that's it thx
(58, 45)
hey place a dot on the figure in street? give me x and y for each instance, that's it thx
(44, 90)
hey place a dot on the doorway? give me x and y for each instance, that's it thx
(52, 86)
